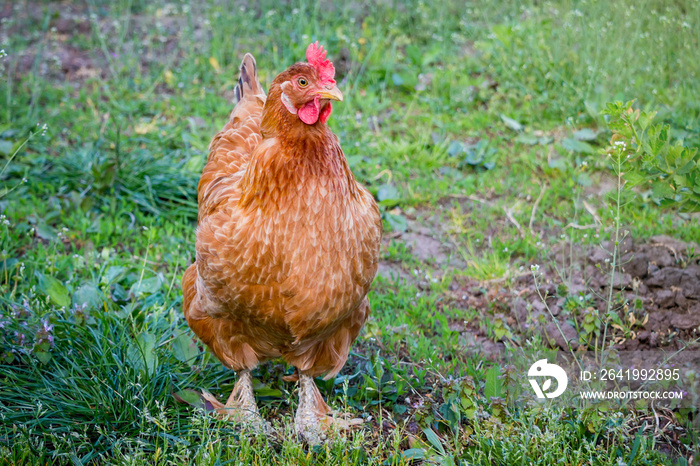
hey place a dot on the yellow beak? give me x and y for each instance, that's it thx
(331, 94)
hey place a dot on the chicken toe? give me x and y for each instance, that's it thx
(241, 406)
(314, 420)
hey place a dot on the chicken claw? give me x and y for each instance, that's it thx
(312, 420)
(241, 406)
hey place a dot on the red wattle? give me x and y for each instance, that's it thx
(325, 113)
(309, 112)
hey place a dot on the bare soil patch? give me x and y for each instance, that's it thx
(657, 293)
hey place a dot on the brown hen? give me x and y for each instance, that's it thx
(287, 241)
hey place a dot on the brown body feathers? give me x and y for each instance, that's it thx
(287, 241)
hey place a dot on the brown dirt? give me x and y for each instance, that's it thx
(656, 291)
(51, 53)
(657, 294)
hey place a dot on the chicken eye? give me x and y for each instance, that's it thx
(303, 82)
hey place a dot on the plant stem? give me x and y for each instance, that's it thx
(614, 254)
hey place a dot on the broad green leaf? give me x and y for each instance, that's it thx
(658, 141)
(500, 332)
(44, 231)
(148, 285)
(688, 167)
(634, 178)
(675, 155)
(43, 356)
(415, 54)
(261, 389)
(474, 157)
(455, 148)
(6, 147)
(396, 222)
(574, 145)
(662, 190)
(585, 134)
(645, 119)
(635, 447)
(353, 160)
(88, 295)
(190, 397)
(494, 385)
(114, 273)
(54, 289)
(557, 162)
(387, 192)
(406, 80)
(118, 293)
(399, 409)
(184, 348)
(512, 124)
(7, 265)
(434, 440)
(414, 454)
(527, 139)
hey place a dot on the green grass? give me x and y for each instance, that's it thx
(453, 113)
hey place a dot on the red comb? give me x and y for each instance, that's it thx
(316, 57)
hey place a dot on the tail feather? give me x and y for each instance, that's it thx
(248, 83)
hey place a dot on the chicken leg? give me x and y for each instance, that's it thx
(312, 420)
(241, 406)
